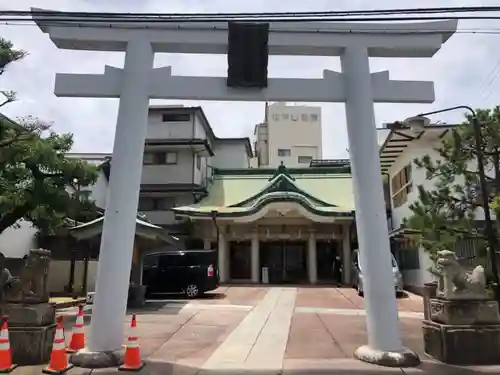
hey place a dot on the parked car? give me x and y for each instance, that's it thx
(357, 274)
(192, 272)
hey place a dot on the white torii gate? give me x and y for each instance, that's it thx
(138, 82)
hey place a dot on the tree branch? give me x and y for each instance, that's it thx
(9, 219)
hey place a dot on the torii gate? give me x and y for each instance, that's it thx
(355, 86)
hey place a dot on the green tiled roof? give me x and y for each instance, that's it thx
(236, 195)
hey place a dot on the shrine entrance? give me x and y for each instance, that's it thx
(286, 261)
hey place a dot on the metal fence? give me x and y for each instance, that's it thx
(471, 252)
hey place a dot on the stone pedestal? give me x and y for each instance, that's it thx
(31, 332)
(35, 315)
(463, 332)
(31, 345)
(464, 312)
(462, 344)
(428, 292)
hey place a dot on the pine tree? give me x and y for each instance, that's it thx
(34, 171)
(445, 214)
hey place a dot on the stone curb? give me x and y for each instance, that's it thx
(74, 303)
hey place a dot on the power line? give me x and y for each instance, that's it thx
(490, 78)
(419, 14)
(278, 14)
(107, 21)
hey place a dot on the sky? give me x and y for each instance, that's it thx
(466, 71)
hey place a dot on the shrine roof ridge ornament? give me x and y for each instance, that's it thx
(420, 39)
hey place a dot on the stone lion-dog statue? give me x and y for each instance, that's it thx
(455, 282)
(31, 285)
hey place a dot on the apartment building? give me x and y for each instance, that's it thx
(290, 135)
(180, 154)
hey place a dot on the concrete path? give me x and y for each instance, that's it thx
(353, 312)
(258, 330)
(260, 339)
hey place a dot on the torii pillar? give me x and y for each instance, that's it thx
(355, 86)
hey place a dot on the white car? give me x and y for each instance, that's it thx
(357, 274)
(90, 298)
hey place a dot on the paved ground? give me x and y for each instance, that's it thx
(265, 330)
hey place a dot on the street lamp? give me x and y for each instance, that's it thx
(214, 219)
(420, 121)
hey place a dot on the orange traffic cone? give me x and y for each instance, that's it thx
(58, 360)
(132, 360)
(78, 337)
(6, 365)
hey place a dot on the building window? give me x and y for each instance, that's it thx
(198, 161)
(313, 117)
(146, 204)
(304, 159)
(153, 158)
(401, 186)
(304, 117)
(176, 117)
(156, 203)
(295, 117)
(284, 152)
(275, 116)
(159, 158)
(171, 158)
(165, 203)
(285, 116)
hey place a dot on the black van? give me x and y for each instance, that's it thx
(192, 272)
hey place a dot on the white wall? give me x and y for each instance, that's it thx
(16, 243)
(199, 129)
(420, 276)
(59, 275)
(291, 127)
(230, 154)
(167, 217)
(157, 129)
(99, 190)
(418, 149)
(182, 172)
(262, 144)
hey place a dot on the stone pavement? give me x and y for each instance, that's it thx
(259, 330)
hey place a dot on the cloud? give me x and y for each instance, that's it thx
(463, 71)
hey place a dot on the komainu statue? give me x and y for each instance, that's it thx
(31, 285)
(455, 283)
(6, 279)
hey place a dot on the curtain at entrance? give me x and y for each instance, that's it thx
(326, 253)
(240, 266)
(285, 260)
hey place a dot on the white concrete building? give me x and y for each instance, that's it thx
(397, 157)
(290, 134)
(181, 151)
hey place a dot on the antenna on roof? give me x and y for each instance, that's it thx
(265, 112)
